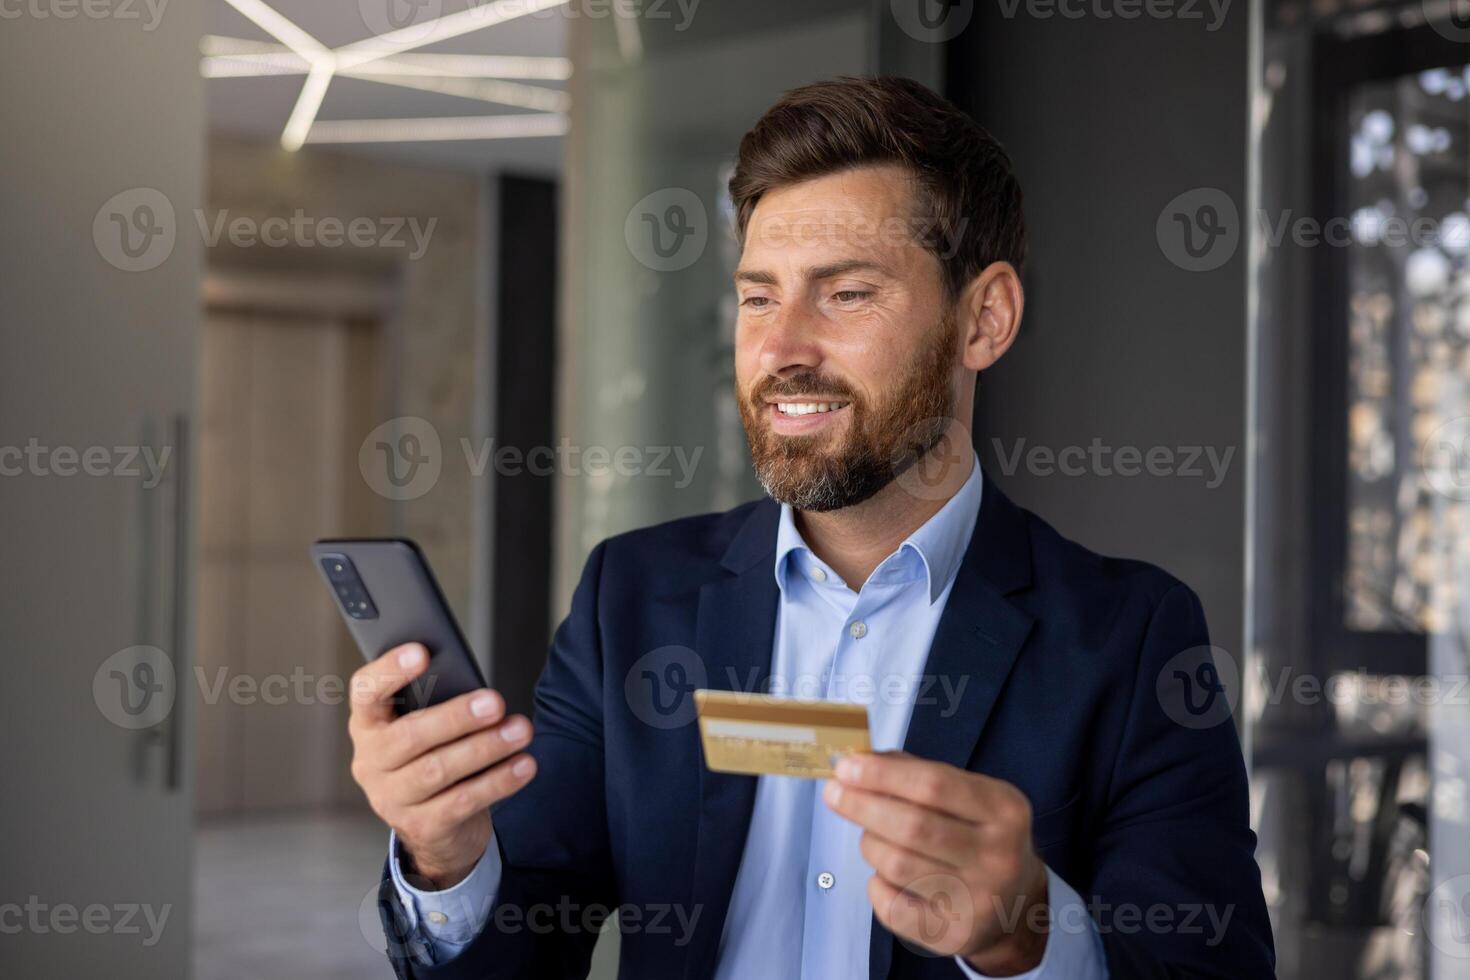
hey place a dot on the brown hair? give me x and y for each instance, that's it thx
(968, 194)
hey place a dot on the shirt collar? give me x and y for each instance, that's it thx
(940, 542)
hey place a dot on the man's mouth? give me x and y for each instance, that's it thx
(808, 408)
(806, 418)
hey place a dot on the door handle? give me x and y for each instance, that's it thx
(168, 734)
(178, 625)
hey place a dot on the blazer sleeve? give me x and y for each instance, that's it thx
(557, 885)
(1174, 883)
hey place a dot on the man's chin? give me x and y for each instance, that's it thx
(820, 489)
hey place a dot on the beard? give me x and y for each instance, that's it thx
(824, 471)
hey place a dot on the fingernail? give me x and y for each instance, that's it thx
(832, 793)
(411, 658)
(515, 731)
(523, 767)
(849, 769)
(483, 706)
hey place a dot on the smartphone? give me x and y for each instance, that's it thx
(388, 596)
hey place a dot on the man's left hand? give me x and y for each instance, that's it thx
(956, 870)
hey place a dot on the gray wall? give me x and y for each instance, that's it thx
(1107, 121)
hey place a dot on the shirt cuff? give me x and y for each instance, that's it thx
(1073, 947)
(450, 919)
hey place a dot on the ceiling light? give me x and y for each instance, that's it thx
(277, 26)
(484, 89)
(273, 58)
(474, 18)
(324, 63)
(475, 66)
(511, 126)
(307, 104)
(284, 62)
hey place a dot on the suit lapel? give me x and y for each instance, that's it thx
(735, 634)
(979, 637)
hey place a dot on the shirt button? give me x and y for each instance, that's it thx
(818, 575)
(858, 630)
(438, 918)
(825, 881)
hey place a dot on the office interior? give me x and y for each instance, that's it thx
(321, 268)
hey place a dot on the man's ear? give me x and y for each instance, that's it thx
(990, 315)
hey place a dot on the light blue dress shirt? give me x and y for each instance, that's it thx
(800, 909)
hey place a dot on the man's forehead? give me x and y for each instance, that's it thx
(864, 211)
(849, 197)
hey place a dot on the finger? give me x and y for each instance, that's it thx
(463, 800)
(968, 795)
(427, 729)
(918, 828)
(901, 867)
(441, 768)
(375, 685)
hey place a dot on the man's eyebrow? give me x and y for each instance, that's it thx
(759, 276)
(843, 268)
(846, 266)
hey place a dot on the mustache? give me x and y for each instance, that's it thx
(799, 385)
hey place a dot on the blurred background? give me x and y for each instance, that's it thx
(276, 270)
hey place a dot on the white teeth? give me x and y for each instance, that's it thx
(808, 408)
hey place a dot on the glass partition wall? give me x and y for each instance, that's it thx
(1357, 700)
(659, 106)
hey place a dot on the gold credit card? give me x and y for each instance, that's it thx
(761, 735)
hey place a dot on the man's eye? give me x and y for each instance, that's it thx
(755, 301)
(850, 295)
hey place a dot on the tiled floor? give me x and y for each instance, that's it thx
(281, 898)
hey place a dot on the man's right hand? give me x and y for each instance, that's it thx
(432, 774)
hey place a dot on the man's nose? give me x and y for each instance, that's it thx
(791, 343)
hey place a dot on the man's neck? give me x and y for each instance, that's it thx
(855, 540)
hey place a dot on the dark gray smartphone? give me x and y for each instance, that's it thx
(388, 596)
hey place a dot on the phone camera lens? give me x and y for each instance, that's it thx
(350, 590)
(339, 569)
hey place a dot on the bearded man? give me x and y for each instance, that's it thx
(1035, 805)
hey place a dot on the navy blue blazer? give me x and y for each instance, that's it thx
(1063, 649)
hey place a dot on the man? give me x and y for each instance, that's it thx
(1035, 807)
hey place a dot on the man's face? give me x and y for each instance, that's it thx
(846, 349)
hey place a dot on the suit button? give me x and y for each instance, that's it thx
(825, 881)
